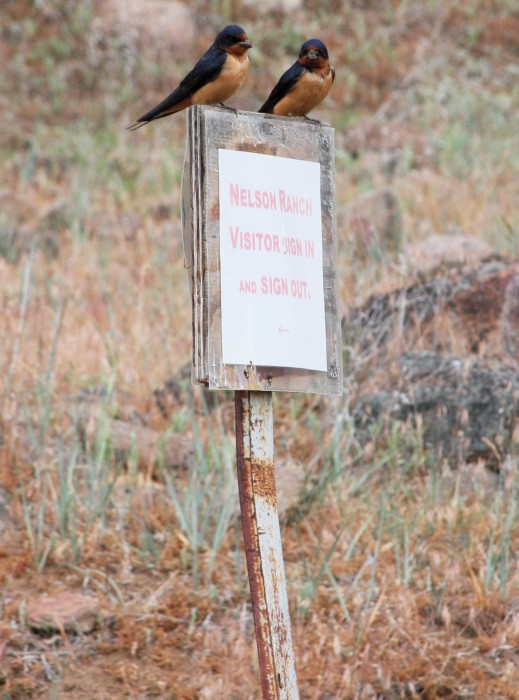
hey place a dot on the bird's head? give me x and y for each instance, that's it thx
(313, 54)
(233, 39)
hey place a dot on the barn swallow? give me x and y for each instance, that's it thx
(304, 85)
(220, 73)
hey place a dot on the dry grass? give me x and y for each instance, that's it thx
(403, 577)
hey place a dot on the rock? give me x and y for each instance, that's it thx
(178, 391)
(393, 317)
(477, 299)
(510, 318)
(67, 611)
(462, 387)
(129, 436)
(372, 225)
(460, 313)
(149, 447)
(174, 392)
(467, 407)
(445, 249)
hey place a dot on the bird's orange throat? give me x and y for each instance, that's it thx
(237, 50)
(313, 63)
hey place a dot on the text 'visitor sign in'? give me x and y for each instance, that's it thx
(272, 292)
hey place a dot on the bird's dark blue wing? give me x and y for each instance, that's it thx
(284, 85)
(205, 71)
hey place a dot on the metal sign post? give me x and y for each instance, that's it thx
(262, 538)
(258, 211)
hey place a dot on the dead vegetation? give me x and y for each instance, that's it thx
(118, 482)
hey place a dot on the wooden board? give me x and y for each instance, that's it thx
(209, 130)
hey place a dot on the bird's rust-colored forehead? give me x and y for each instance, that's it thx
(239, 45)
(231, 38)
(312, 47)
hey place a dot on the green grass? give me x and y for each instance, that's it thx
(205, 504)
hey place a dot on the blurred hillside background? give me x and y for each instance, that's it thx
(117, 479)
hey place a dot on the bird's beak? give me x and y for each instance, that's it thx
(312, 55)
(245, 43)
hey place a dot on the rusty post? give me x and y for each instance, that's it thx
(262, 538)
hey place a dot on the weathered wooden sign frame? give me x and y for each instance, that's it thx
(209, 130)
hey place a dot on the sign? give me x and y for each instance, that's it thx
(258, 213)
(271, 261)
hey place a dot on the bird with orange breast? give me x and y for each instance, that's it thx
(304, 85)
(220, 73)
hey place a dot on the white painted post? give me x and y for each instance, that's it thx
(262, 537)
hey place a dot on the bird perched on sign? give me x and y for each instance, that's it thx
(304, 85)
(220, 73)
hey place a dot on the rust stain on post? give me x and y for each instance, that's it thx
(260, 524)
(264, 480)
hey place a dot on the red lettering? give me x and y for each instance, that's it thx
(295, 205)
(254, 240)
(292, 246)
(234, 192)
(299, 289)
(277, 286)
(256, 199)
(248, 287)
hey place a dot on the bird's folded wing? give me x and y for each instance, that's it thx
(284, 85)
(205, 71)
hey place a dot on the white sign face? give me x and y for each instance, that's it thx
(271, 261)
